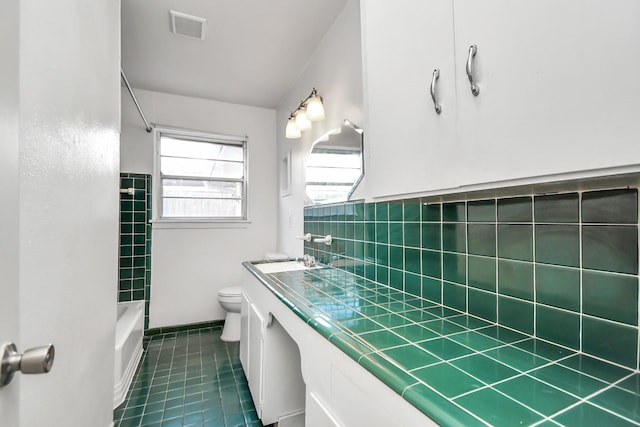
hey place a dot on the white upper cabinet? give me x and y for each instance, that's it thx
(559, 87)
(559, 92)
(410, 146)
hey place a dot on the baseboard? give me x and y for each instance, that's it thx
(122, 387)
(181, 328)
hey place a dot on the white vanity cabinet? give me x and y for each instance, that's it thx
(558, 92)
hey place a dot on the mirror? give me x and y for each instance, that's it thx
(335, 165)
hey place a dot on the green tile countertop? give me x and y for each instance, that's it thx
(455, 368)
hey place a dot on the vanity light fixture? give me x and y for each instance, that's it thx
(311, 109)
(292, 131)
(302, 121)
(315, 108)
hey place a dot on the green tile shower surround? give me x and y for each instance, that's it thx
(518, 311)
(135, 241)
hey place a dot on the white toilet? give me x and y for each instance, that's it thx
(230, 299)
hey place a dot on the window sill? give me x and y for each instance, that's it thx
(198, 223)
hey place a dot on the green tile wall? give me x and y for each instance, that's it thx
(561, 267)
(135, 241)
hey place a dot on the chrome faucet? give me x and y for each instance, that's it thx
(309, 260)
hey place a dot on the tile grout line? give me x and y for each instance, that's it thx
(580, 283)
(587, 400)
(474, 415)
(638, 306)
(520, 374)
(496, 287)
(466, 258)
(534, 252)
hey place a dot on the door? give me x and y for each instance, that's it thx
(9, 158)
(410, 145)
(558, 87)
(59, 126)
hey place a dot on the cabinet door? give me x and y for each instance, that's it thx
(559, 87)
(282, 385)
(256, 356)
(244, 334)
(410, 147)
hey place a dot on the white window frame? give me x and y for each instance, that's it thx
(200, 136)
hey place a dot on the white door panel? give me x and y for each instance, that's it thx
(59, 133)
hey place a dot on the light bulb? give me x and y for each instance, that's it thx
(302, 121)
(292, 131)
(315, 109)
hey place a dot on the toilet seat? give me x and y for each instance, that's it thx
(231, 291)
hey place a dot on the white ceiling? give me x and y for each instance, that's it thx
(253, 51)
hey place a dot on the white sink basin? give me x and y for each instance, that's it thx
(277, 267)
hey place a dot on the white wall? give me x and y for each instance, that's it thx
(335, 70)
(69, 112)
(188, 266)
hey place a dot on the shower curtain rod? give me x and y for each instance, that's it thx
(135, 100)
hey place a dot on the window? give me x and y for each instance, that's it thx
(200, 176)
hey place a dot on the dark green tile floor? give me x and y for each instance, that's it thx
(189, 378)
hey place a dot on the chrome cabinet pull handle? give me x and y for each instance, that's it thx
(475, 90)
(436, 76)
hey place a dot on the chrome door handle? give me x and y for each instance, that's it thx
(475, 90)
(37, 360)
(434, 78)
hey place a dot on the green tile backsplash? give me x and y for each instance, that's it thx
(611, 207)
(557, 208)
(610, 248)
(135, 240)
(517, 209)
(563, 268)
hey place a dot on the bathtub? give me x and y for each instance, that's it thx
(129, 332)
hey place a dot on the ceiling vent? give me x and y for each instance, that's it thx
(187, 25)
